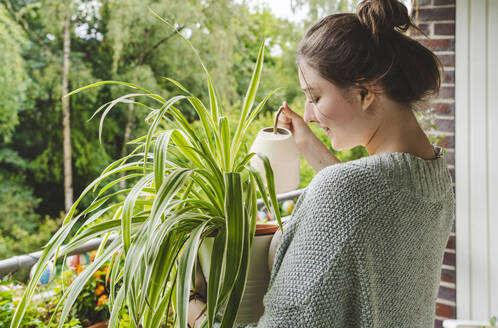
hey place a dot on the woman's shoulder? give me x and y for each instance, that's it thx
(349, 175)
(348, 182)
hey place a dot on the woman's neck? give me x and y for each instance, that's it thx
(399, 131)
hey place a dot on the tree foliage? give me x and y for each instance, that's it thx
(12, 74)
(120, 40)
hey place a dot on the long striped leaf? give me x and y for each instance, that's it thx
(238, 289)
(270, 182)
(187, 259)
(213, 100)
(215, 269)
(173, 183)
(116, 308)
(46, 256)
(130, 85)
(225, 143)
(157, 119)
(128, 207)
(250, 94)
(160, 155)
(234, 216)
(77, 285)
(109, 107)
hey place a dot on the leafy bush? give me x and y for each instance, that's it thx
(22, 230)
(37, 313)
(90, 307)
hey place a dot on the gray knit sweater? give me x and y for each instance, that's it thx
(364, 246)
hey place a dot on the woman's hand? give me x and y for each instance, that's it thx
(312, 149)
(300, 130)
(195, 312)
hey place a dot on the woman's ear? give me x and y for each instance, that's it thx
(367, 95)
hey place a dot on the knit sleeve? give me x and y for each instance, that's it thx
(312, 286)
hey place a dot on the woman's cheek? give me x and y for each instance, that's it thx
(344, 113)
(337, 113)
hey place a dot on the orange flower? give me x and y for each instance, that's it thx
(97, 274)
(79, 269)
(102, 300)
(99, 290)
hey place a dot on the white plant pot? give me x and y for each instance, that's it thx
(283, 154)
(251, 306)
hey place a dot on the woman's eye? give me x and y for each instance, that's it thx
(314, 100)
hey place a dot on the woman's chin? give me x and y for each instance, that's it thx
(338, 145)
(335, 145)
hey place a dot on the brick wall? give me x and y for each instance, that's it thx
(437, 19)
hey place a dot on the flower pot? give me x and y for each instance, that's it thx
(283, 154)
(251, 306)
(102, 324)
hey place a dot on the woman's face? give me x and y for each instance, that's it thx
(336, 111)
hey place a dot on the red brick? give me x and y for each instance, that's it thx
(447, 60)
(447, 93)
(435, 14)
(451, 243)
(439, 44)
(444, 29)
(446, 293)
(448, 275)
(449, 76)
(445, 125)
(443, 108)
(426, 28)
(449, 157)
(445, 311)
(444, 2)
(449, 259)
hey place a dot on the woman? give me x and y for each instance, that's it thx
(365, 244)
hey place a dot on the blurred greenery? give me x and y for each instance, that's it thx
(120, 40)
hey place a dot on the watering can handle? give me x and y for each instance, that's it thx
(275, 123)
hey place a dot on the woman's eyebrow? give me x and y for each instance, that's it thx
(308, 89)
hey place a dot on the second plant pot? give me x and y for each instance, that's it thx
(251, 306)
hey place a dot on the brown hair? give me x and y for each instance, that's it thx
(369, 46)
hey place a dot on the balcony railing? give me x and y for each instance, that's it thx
(24, 261)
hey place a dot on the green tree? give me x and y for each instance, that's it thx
(12, 74)
(122, 40)
(321, 8)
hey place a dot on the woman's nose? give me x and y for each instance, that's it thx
(309, 113)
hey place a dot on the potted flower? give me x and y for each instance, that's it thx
(185, 185)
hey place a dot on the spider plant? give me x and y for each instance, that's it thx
(185, 185)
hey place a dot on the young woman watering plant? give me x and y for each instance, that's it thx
(365, 243)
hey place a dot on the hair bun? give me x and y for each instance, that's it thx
(382, 17)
